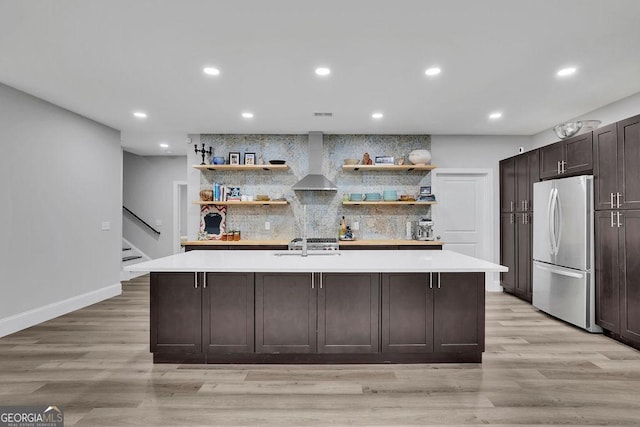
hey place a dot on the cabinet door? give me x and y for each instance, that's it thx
(578, 154)
(176, 313)
(285, 313)
(407, 313)
(534, 175)
(507, 185)
(605, 147)
(523, 255)
(348, 307)
(522, 182)
(508, 251)
(629, 162)
(607, 271)
(629, 251)
(228, 308)
(458, 307)
(550, 157)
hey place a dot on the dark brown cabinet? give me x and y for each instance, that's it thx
(195, 315)
(228, 313)
(618, 273)
(348, 308)
(571, 156)
(617, 156)
(437, 312)
(176, 313)
(508, 185)
(516, 221)
(285, 307)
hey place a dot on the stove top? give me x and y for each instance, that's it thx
(316, 244)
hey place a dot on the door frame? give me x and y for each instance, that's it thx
(489, 214)
(178, 188)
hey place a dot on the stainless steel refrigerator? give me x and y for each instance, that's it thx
(562, 275)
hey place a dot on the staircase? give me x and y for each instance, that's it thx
(131, 255)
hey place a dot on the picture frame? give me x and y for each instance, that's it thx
(249, 158)
(234, 158)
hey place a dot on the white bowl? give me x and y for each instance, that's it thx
(567, 130)
(420, 157)
(589, 125)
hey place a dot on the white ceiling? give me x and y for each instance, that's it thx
(105, 59)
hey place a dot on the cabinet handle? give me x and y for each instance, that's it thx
(558, 167)
(430, 280)
(526, 205)
(438, 280)
(511, 205)
(320, 280)
(612, 223)
(195, 280)
(618, 200)
(611, 200)
(510, 218)
(564, 166)
(204, 280)
(313, 285)
(526, 218)
(618, 215)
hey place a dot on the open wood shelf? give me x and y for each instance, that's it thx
(388, 167)
(241, 167)
(253, 203)
(385, 203)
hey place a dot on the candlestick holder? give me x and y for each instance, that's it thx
(203, 151)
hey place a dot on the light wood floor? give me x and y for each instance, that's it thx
(96, 365)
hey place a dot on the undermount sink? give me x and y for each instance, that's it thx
(309, 253)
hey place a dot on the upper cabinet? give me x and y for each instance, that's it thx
(617, 156)
(572, 156)
(517, 175)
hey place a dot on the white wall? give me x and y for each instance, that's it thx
(148, 191)
(60, 179)
(614, 112)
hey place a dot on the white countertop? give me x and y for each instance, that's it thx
(414, 261)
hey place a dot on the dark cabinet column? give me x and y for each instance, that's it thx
(458, 321)
(508, 185)
(629, 265)
(176, 313)
(607, 271)
(228, 313)
(508, 251)
(407, 313)
(286, 306)
(629, 162)
(348, 307)
(527, 172)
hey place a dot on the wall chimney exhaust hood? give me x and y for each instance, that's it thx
(315, 181)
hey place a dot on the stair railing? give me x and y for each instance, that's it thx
(142, 221)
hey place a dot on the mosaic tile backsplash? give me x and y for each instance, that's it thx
(324, 208)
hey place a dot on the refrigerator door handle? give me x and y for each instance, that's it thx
(552, 221)
(560, 272)
(558, 214)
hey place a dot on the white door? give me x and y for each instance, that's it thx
(462, 216)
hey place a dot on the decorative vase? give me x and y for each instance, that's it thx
(420, 157)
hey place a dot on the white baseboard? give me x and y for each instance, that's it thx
(494, 286)
(18, 322)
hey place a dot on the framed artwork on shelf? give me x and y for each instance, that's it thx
(234, 158)
(249, 158)
(212, 222)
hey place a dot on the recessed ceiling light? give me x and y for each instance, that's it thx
(323, 71)
(433, 71)
(212, 71)
(377, 115)
(247, 115)
(164, 145)
(496, 115)
(140, 114)
(566, 71)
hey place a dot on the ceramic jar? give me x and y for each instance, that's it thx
(420, 157)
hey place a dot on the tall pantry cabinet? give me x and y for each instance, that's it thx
(617, 228)
(517, 175)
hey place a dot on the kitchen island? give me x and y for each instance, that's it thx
(328, 307)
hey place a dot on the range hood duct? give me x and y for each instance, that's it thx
(315, 181)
